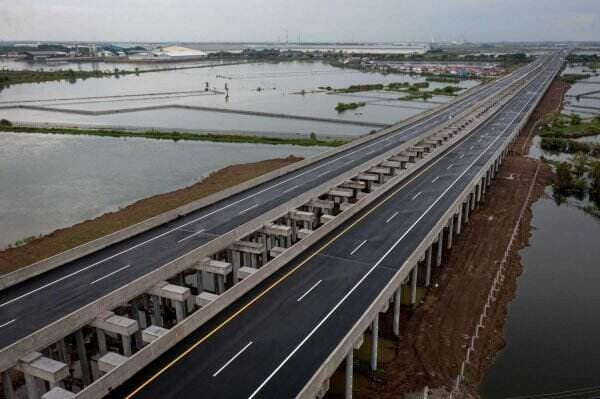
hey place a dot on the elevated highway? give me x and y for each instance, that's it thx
(286, 337)
(42, 305)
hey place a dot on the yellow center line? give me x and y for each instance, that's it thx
(276, 283)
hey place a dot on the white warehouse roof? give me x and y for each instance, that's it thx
(178, 51)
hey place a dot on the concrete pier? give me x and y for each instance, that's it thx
(440, 244)
(413, 285)
(374, 341)
(58, 393)
(110, 360)
(450, 232)
(397, 305)
(152, 333)
(119, 325)
(177, 294)
(37, 366)
(212, 274)
(428, 256)
(7, 385)
(349, 374)
(83, 357)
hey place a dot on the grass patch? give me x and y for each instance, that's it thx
(176, 136)
(10, 77)
(341, 107)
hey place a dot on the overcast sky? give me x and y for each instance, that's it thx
(314, 20)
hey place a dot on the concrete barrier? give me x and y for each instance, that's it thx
(60, 259)
(329, 366)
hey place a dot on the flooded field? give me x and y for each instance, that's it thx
(54, 181)
(260, 87)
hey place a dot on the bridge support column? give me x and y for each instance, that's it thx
(428, 257)
(413, 285)
(472, 200)
(374, 341)
(83, 358)
(459, 220)
(156, 317)
(397, 303)
(467, 206)
(7, 385)
(102, 349)
(438, 262)
(450, 232)
(478, 192)
(349, 373)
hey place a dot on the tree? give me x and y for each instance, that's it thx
(580, 161)
(313, 136)
(575, 119)
(564, 180)
(595, 180)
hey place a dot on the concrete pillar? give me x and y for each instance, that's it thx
(478, 192)
(413, 285)
(428, 257)
(32, 388)
(374, 341)
(126, 341)
(439, 249)
(349, 372)
(83, 359)
(450, 232)
(397, 303)
(157, 318)
(101, 341)
(179, 311)
(459, 220)
(7, 384)
(472, 200)
(62, 351)
(467, 205)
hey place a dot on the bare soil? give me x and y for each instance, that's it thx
(71, 237)
(434, 337)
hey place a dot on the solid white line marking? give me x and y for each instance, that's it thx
(190, 236)
(436, 179)
(369, 152)
(309, 290)
(391, 217)
(110, 274)
(291, 188)
(416, 196)
(7, 323)
(323, 173)
(368, 273)
(349, 161)
(392, 135)
(232, 359)
(247, 209)
(461, 156)
(450, 166)
(357, 248)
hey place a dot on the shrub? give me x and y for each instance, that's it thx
(5, 122)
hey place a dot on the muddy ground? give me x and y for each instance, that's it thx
(70, 237)
(434, 337)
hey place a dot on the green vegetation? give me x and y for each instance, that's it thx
(359, 88)
(5, 122)
(10, 77)
(574, 77)
(570, 127)
(443, 79)
(569, 146)
(341, 107)
(447, 91)
(423, 95)
(176, 136)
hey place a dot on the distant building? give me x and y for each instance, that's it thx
(171, 53)
(41, 56)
